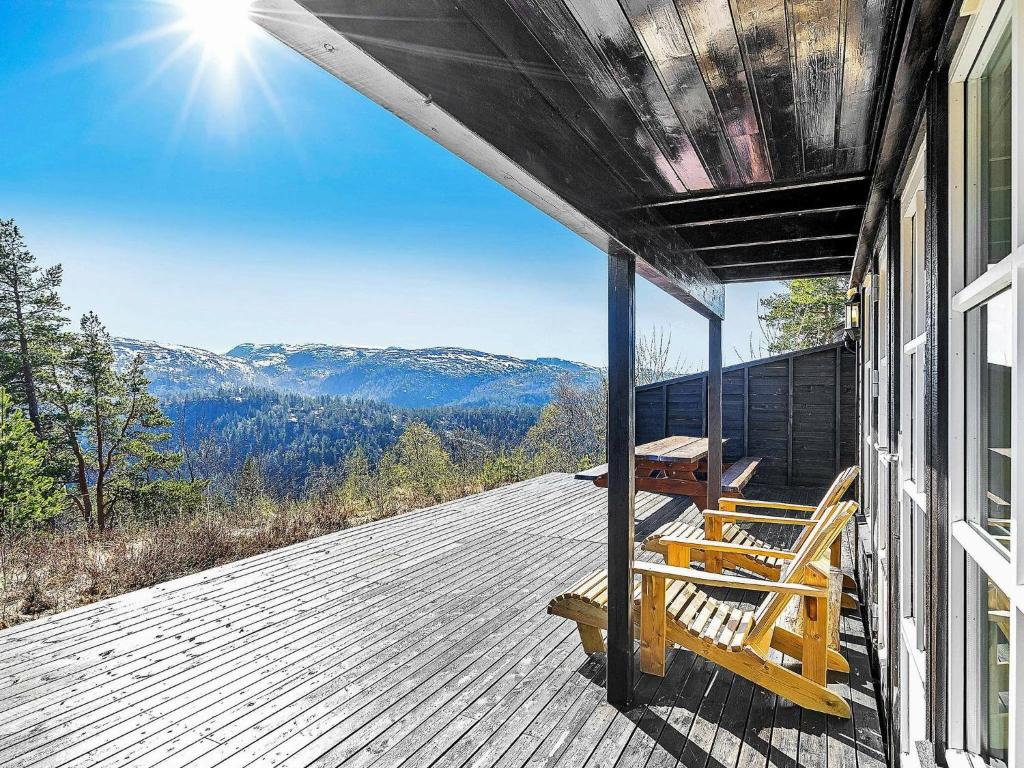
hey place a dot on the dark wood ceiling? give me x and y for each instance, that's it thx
(742, 129)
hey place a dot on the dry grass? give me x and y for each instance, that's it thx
(44, 572)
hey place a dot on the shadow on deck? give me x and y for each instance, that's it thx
(420, 640)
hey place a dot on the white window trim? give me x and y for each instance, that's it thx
(982, 34)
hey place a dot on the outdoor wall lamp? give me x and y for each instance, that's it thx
(852, 312)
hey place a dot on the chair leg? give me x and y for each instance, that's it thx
(593, 640)
(713, 532)
(791, 644)
(836, 559)
(814, 661)
(652, 625)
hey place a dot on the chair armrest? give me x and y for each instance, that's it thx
(726, 504)
(674, 573)
(725, 546)
(745, 517)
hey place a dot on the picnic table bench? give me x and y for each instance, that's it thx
(677, 465)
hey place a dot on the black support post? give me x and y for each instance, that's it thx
(714, 412)
(621, 472)
(936, 405)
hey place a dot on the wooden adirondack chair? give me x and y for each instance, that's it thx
(671, 608)
(723, 525)
(738, 639)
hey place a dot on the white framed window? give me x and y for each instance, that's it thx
(986, 331)
(912, 340)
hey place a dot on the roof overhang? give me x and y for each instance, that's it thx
(673, 269)
(718, 140)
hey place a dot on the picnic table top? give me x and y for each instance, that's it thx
(676, 448)
(668, 450)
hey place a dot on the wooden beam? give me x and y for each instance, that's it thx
(787, 197)
(621, 473)
(664, 260)
(774, 216)
(782, 242)
(786, 271)
(714, 412)
(804, 250)
(814, 223)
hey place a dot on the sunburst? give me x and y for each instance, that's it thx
(222, 28)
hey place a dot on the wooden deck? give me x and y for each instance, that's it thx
(420, 640)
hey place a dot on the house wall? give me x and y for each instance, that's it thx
(940, 438)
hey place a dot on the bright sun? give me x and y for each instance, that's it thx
(222, 27)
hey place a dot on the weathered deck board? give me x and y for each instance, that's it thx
(420, 640)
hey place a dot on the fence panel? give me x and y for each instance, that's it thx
(797, 411)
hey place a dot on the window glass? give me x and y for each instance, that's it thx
(991, 330)
(915, 278)
(910, 582)
(996, 127)
(994, 649)
(912, 447)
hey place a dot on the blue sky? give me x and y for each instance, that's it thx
(277, 204)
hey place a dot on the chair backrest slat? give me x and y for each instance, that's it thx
(831, 525)
(832, 496)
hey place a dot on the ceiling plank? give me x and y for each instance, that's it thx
(612, 36)
(660, 30)
(865, 31)
(529, 59)
(441, 53)
(712, 35)
(764, 35)
(784, 241)
(784, 271)
(814, 25)
(558, 33)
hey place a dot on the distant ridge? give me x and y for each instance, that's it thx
(412, 378)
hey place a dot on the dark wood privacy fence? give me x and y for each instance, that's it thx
(797, 410)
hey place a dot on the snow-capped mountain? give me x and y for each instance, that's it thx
(173, 368)
(406, 377)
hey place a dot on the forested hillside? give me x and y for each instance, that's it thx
(294, 436)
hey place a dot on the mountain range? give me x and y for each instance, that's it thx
(411, 378)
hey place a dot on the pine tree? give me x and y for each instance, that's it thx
(112, 426)
(28, 496)
(357, 476)
(31, 318)
(809, 312)
(421, 464)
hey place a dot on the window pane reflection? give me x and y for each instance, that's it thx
(991, 329)
(997, 129)
(995, 672)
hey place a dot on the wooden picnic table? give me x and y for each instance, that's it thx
(677, 465)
